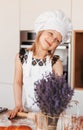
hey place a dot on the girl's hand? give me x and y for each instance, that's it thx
(14, 112)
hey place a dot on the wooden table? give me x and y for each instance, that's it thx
(18, 123)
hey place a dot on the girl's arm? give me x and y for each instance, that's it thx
(58, 68)
(18, 82)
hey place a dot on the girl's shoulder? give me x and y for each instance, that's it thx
(54, 59)
(23, 55)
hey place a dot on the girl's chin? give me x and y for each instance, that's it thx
(46, 48)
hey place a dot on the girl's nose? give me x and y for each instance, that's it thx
(51, 39)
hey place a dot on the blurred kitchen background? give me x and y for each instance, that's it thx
(16, 30)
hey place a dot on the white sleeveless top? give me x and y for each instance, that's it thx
(32, 73)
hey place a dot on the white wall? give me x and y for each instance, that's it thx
(78, 95)
(77, 15)
(30, 10)
(9, 46)
(77, 20)
(6, 95)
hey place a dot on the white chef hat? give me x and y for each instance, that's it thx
(54, 20)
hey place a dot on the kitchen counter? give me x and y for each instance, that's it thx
(24, 121)
(17, 121)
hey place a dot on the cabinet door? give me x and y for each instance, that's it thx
(78, 59)
(77, 14)
(30, 10)
(9, 39)
(6, 96)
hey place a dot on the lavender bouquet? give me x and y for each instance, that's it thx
(53, 94)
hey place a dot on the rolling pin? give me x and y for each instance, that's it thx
(29, 115)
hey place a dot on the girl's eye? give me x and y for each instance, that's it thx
(51, 33)
(57, 41)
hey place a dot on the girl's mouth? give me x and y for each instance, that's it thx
(48, 42)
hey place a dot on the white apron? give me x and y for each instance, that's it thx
(30, 75)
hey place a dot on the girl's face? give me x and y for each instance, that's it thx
(50, 39)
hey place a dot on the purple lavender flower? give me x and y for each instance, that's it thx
(53, 94)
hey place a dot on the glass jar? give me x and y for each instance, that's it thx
(71, 115)
(46, 122)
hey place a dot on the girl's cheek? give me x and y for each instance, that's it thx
(53, 47)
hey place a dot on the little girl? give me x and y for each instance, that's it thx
(52, 29)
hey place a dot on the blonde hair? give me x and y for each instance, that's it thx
(35, 45)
